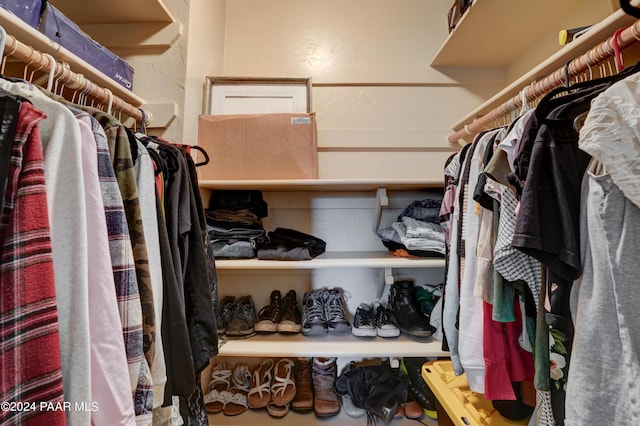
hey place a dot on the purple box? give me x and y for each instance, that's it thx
(55, 25)
(27, 10)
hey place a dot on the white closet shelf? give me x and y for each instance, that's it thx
(124, 24)
(34, 38)
(598, 33)
(298, 345)
(495, 32)
(351, 259)
(115, 11)
(309, 185)
(260, 417)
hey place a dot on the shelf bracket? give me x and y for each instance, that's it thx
(382, 200)
(387, 280)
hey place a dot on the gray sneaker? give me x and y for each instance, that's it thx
(313, 319)
(334, 312)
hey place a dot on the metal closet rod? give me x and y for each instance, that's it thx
(46, 63)
(577, 66)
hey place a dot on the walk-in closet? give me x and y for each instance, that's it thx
(281, 212)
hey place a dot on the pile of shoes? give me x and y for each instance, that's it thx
(324, 312)
(416, 231)
(377, 391)
(280, 385)
(281, 315)
(234, 223)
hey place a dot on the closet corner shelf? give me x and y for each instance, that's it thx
(312, 185)
(520, 24)
(14, 26)
(298, 345)
(597, 34)
(355, 259)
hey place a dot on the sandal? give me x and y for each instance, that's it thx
(260, 393)
(283, 389)
(237, 402)
(219, 384)
(277, 411)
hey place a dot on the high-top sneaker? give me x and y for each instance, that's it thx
(313, 319)
(325, 402)
(334, 312)
(303, 400)
(405, 310)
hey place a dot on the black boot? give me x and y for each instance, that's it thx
(405, 310)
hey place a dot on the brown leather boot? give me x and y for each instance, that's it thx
(326, 402)
(303, 400)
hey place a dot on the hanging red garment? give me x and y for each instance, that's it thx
(30, 362)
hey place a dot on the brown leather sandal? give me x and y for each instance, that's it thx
(260, 392)
(283, 389)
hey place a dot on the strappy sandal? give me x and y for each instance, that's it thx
(277, 411)
(260, 393)
(283, 389)
(237, 402)
(219, 384)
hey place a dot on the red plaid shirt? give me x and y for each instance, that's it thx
(31, 377)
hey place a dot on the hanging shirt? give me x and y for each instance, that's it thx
(30, 345)
(62, 147)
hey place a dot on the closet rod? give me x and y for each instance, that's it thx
(575, 67)
(39, 61)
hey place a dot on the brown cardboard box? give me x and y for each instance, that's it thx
(259, 146)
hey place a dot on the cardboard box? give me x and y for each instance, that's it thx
(259, 146)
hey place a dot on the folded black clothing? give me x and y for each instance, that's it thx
(427, 210)
(278, 252)
(284, 240)
(393, 246)
(238, 199)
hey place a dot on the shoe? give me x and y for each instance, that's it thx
(243, 320)
(350, 409)
(313, 319)
(237, 403)
(291, 319)
(334, 312)
(405, 310)
(277, 411)
(303, 401)
(364, 321)
(418, 388)
(385, 324)
(218, 386)
(283, 388)
(270, 315)
(227, 307)
(260, 392)
(325, 402)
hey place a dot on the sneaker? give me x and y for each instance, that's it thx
(270, 315)
(334, 312)
(243, 320)
(227, 307)
(313, 319)
(291, 319)
(385, 324)
(364, 321)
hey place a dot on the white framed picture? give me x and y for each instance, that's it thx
(257, 95)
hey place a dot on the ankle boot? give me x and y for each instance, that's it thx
(405, 310)
(303, 400)
(326, 402)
